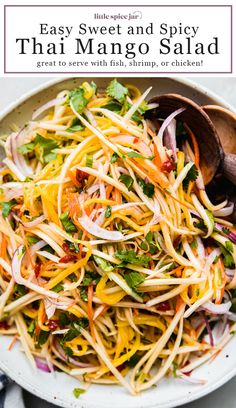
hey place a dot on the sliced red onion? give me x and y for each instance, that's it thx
(209, 331)
(210, 259)
(231, 235)
(224, 212)
(31, 224)
(70, 359)
(189, 379)
(36, 247)
(42, 365)
(97, 231)
(200, 248)
(217, 309)
(16, 140)
(92, 189)
(169, 138)
(167, 121)
(50, 308)
(230, 272)
(48, 105)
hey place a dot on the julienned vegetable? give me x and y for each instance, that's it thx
(111, 257)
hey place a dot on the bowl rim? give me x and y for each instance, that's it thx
(20, 380)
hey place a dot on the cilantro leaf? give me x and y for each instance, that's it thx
(76, 126)
(63, 319)
(191, 176)
(117, 91)
(108, 211)
(43, 336)
(68, 225)
(78, 391)
(84, 294)
(43, 148)
(103, 264)
(133, 279)
(6, 207)
(228, 260)
(78, 99)
(126, 180)
(133, 360)
(148, 188)
(26, 148)
(132, 258)
(114, 158)
(31, 328)
(58, 288)
(113, 106)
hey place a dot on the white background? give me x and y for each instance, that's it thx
(205, 18)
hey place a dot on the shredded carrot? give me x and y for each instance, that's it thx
(157, 158)
(12, 342)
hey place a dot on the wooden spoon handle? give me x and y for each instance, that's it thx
(229, 167)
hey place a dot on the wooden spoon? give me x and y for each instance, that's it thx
(211, 151)
(225, 124)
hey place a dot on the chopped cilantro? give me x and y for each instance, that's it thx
(113, 106)
(20, 290)
(84, 294)
(148, 188)
(117, 91)
(134, 154)
(6, 207)
(43, 336)
(114, 158)
(126, 180)
(134, 279)
(58, 288)
(63, 319)
(132, 258)
(76, 126)
(191, 176)
(31, 328)
(43, 148)
(31, 239)
(133, 360)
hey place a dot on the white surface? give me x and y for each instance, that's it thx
(11, 89)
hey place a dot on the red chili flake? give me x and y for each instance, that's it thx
(188, 373)
(53, 324)
(66, 248)
(163, 307)
(37, 268)
(68, 258)
(168, 166)
(81, 176)
(136, 140)
(4, 325)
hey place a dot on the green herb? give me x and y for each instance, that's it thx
(78, 391)
(72, 277)
(84, 294)
(76, 126)
(117, 91)
(6, 207)
(114, 158)
(228, 260)
(191, 176)
(90, 277)
(63, 319)
(226, 231)
(133, 360)
(134, 154)
(31, 239)
(68, 351)
(31, 328)
(58, 288)
(126, 180)
(144, 246)
(153, 245)
(75, 329)
(78, 100)
(194, 244)
(43, 148)
(89, 160)
(68, 225)
(103, 264)
(134, 279)
(73, 246)
(43, 336)
(20, 290)
(108, 211)
(132, 258)
(113, 106)
(148, 188)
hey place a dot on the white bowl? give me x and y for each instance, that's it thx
(58, 388)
